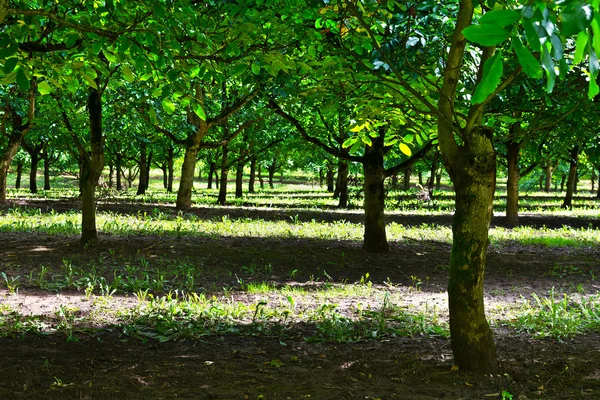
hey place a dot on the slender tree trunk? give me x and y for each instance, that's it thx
(111, 175)
(143, 170)
(92, 168)
(406, 182)
(170, 169)
(598, 194)
(329, 177)
(271, 171)
(395, 181)
(46, 158)
(375, 240)
(434, 167)
(563, 179)
(19, 175)
(252, 175)
(148, 168)
(321, 177)
(260, 177)
(342, 184)
(165, 175)
(512, 185)
(568, 201)
(438, 181)
(119, 172)
(211, 172)
(420, 175)
(224, 173)
(34, 157)
(548, 181)
(188, 169)
(239, 175)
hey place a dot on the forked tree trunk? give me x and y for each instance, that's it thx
(92, 169)
(512, 184)
(341, 187)
(252, 175)
(329, 177)
(224, 173)
(239, 175)
(473, 174)
(375, 240)
(19, 175)
(568, 201)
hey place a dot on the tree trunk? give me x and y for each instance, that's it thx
(34, 157)
(170, 169)
(119, 172)
(260, 177)
(434, 167)
(395, 181)
(321, 177)
(148, 168)
(406, 182)
(165, 175)
(143, 169)
(224, 172)
(111, 175)
(563, 179)
(252, 175)
(271, 171)
(473, 174)
(188, 169)
(239, 175)
(598, 194)
(329, 177)
(375, 240)
(342, 184)
(568, 201)
(211, 172)
(46, 158)
(548, 181)
(92, 170)
(512, 185)
(438, 181)
(19, 175)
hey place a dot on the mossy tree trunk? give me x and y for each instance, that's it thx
(375, 240)
(92, 168)
(512, 184)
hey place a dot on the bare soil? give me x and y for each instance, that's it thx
(107, 364)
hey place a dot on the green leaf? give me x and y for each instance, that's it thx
(492, 74)
(486, 34)
(596, 35)
(532, 36)
(349, 142)
(168, 105)
(530, 64)
(199, 111)
(255, 68)
(549, 66)
(44, 88)
(576, 17)
(10, 78)
(405, 149)
(582, 40)
(127, 74)
(593, 89)
(239, 70)
(500, 17)
(22, 80)
(10, 64)
(153, 117)
(90, 81)
(409, 138)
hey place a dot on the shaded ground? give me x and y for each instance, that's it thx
(111, 365)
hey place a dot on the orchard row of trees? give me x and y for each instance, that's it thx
(378, 83)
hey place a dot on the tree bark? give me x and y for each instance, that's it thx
(239, 175)
(143, 179)
(188, 169)
(548, 174)
(375, 240)
(342, 184)
(119, 172)
(252, 175)
(92, 170)
(329, 177)
(260, 177)
(222, 199)
(512, 184)
(434, 167)
(406, 182)
(271, 170)
(568, 201)
(34, 162)
(165, 174)
(46, 158)
(19, 175)
(212, 166)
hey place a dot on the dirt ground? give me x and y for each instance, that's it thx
(111, 365)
